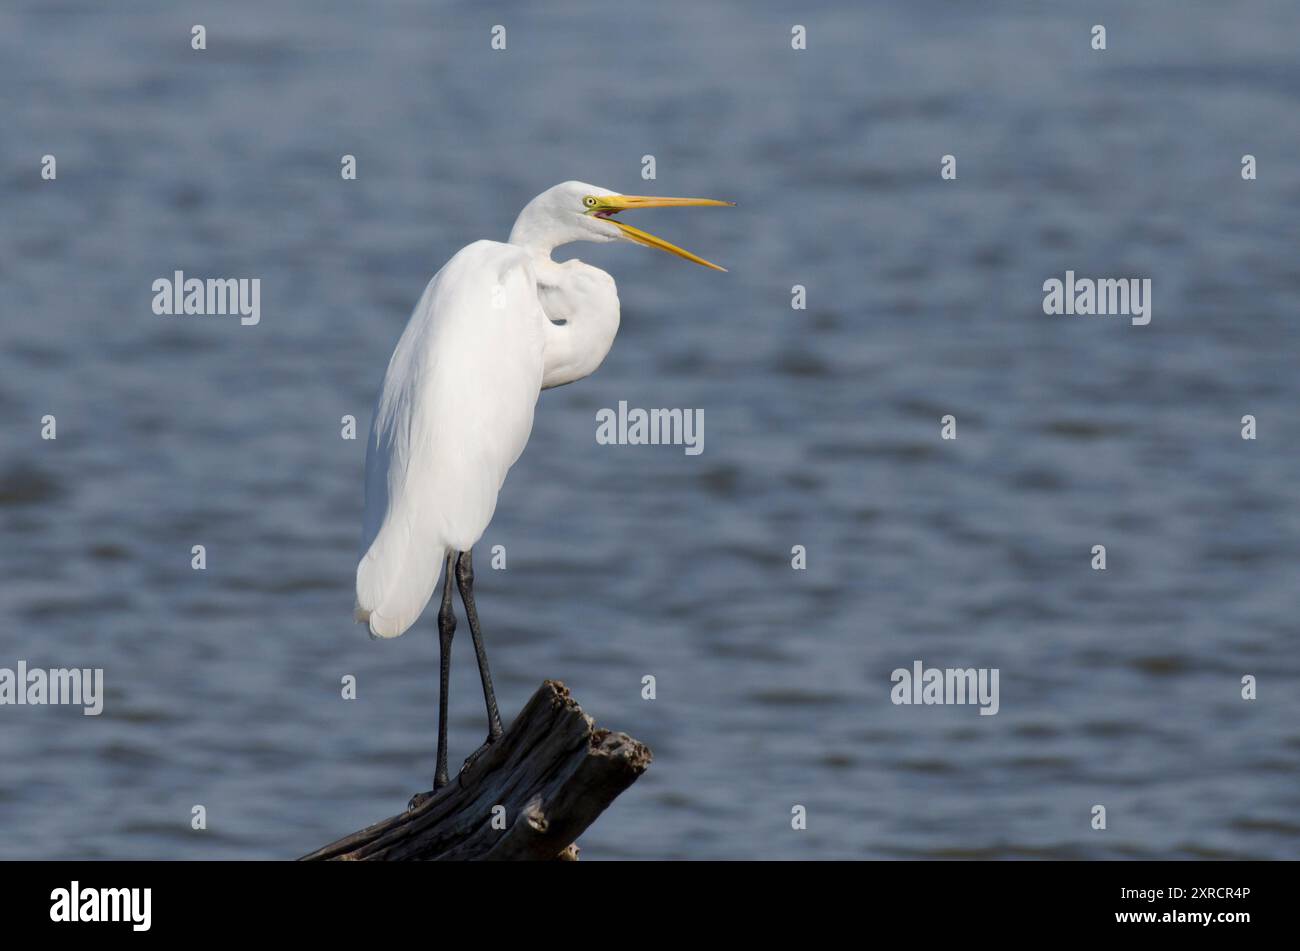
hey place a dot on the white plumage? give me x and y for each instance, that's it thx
(499, 323)
(454, 414)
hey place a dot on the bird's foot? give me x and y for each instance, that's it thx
(419, 799)
(487, 745)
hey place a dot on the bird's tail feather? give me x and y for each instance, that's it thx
(394, 583)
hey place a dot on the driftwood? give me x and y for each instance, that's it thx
(552, 770)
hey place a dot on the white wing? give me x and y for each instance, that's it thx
(453, 416)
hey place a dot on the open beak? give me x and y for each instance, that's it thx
(609, 205)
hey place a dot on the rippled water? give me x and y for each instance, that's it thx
(924, 298)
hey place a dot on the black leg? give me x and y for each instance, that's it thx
(465, 581)
(446, 629)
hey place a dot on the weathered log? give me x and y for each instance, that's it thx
(553, 771)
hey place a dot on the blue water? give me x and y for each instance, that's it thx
(1119, 688)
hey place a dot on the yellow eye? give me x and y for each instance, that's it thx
(589, 201)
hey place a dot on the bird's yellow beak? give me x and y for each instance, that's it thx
(606, 206)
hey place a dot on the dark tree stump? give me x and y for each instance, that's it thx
(552, 770)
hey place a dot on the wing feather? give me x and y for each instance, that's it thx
(453, 416)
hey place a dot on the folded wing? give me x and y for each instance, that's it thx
(453, 416)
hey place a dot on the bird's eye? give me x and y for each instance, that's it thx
(589, 201)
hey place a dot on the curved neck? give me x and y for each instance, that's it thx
(539, 231)
(581, 306)
(538, 241)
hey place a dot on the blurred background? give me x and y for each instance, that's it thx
(1119, 688)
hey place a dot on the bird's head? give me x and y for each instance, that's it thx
(576, 211)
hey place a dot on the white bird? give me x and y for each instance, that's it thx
(496, 326)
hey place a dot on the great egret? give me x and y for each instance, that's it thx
(496, 326)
